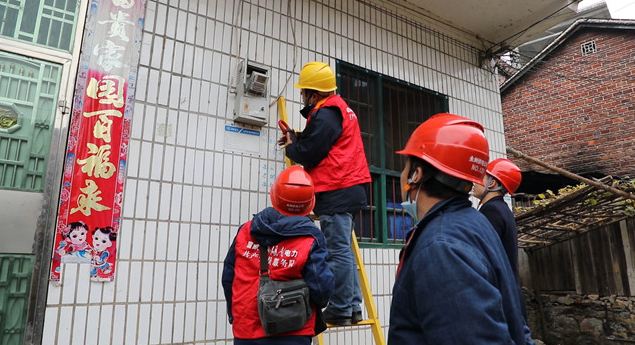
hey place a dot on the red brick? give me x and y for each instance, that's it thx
(577, 112)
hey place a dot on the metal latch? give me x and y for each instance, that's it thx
(63, 107)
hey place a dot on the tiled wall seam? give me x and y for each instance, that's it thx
(185, 196)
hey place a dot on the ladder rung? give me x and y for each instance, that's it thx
(373, 322)
(361, 323)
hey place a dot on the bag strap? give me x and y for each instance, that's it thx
(264, 257)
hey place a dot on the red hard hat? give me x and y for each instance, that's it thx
(453, 144)
(292, 193)
(506, 172)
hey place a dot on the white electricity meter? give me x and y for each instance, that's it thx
(252, 94)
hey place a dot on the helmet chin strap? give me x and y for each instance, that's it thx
(487, 189)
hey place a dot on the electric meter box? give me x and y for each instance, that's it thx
(252, 94)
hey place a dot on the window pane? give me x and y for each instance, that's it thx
(15, 280)
(358, 88)
(389, 110)
(405, 108)
(28, 99)
(47, 23)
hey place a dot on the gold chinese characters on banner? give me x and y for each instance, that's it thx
(89, 212)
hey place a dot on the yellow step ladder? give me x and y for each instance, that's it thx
(373, 318)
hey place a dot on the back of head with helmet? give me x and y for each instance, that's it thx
(506, 172)
(453, 144)
(317, 76)
(292, 193)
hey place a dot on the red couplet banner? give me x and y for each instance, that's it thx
(91, 198)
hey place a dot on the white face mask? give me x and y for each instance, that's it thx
(410, 206)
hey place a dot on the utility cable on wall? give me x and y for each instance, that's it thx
(237, 40)
(516, 35)
(295, 55)
(555, 66)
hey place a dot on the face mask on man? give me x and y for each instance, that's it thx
(307, 104)
(306, 111)
(410, 206)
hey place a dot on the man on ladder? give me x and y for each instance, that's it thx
(331, 150)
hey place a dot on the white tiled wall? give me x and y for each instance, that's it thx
(185, 195)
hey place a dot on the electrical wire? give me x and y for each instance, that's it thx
(512, 37)
(623, 7)
(575, 76)
(632, 2)
(555, 64)
(382, 10)
(238, 8)
(624, 98)
(584, 60)
(295, 55)
(238, 41)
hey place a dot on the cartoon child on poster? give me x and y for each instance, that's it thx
(102, 265)
(73, 247)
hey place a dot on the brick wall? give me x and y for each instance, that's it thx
(577, 112)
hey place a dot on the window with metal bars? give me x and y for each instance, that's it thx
(388, 111)
(29, 89)
(48, 23)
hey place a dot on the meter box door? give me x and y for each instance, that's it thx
(252, 94)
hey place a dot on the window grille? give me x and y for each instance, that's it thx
(388, 111)
(15, 282)
(588, 48)
(29, 91)
(46, 23)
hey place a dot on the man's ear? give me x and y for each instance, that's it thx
(493, 183)
(416, 176)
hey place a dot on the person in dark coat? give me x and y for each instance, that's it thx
(296, 249)
(502, 177)
(454, 284)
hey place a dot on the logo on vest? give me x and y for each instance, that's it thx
(351, 114)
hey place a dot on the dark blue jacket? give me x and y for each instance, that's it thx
(498, 213)
(455, 284)
(313, 145)
(269, 228)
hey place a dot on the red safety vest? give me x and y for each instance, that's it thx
(345, 165)
(286, 260)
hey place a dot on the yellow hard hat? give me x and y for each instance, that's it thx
(317, 76)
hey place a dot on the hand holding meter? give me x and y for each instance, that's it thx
(284, 127)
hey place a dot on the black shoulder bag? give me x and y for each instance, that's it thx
(283, 306)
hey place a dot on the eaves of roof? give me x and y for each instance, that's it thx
(573, 28)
